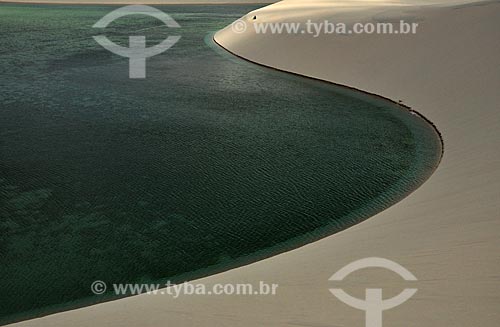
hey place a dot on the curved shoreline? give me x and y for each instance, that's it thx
(388, 198)
(351, 88)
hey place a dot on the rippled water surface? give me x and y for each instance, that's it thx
(209, 163)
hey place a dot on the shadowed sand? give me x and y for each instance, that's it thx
(447, 233)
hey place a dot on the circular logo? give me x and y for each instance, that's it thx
(239, 26)
(98, 287)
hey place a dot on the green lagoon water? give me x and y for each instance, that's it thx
(209, 163)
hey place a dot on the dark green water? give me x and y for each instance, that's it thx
(209, 163)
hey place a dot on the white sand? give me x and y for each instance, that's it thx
(447, 232)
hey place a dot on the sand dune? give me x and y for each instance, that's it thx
(447, 233)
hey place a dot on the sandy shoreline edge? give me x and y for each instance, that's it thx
(378, 96)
